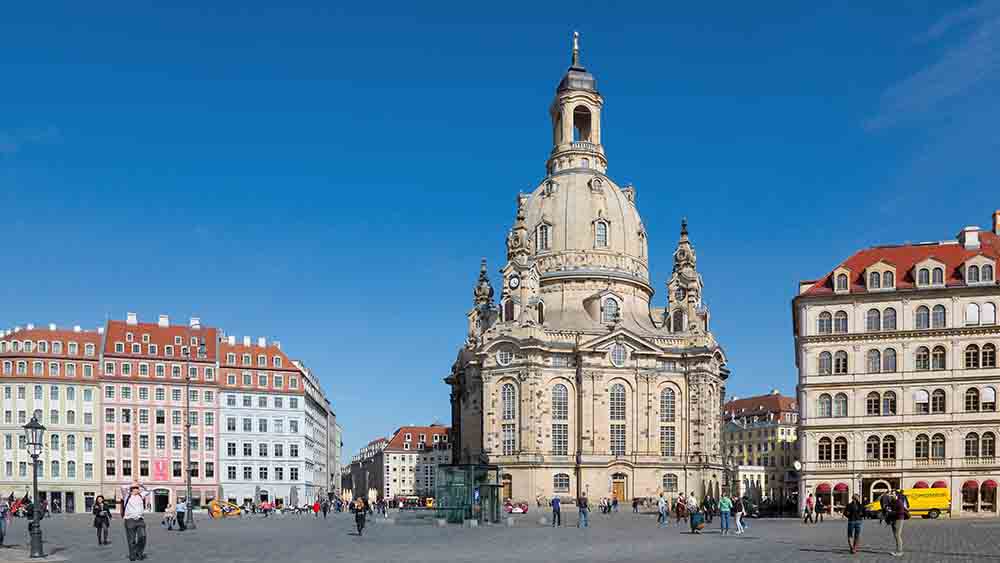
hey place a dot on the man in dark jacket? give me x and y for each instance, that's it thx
(855, 513)
(895, 515)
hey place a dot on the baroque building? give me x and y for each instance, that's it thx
(575, 382)
(896, 349)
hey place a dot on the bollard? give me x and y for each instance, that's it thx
(509, 522)
(441, 522)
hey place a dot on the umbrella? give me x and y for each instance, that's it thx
(293, 496)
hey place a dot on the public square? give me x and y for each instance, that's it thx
(413, 537)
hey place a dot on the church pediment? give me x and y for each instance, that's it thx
(636, 343)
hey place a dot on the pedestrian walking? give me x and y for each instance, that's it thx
(315, 509)
(820, 509)
(4, 515)
(895, 516)
(738, 509)
(584, 511)
(855, 513)
(556, 512)
(133, 508)
(635, 505)
(614, 502)
(181, 511)
(326, 508)
(359, 515)
(808, 512)
(725, 507)
(102, 520)
(662, 510)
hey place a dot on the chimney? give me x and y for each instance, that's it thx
(996, 222)
(969, 237)
(277, 344)
(261, 341)
(164, 321)
(76, 328)
(246, 340)
(232, 340)
(52, 326)
(17, 329)
(132, 319)
(195, 322)
(30, 326)
(100, 330)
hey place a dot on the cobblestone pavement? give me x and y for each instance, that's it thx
(616, 537)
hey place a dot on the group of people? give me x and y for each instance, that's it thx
(894, 509)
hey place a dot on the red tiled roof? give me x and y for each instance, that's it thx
(65, 336)
(762, 404)
(116, 331)
(905, 257)
(399, 438)
(270, 350)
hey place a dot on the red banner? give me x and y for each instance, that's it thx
(160, 472)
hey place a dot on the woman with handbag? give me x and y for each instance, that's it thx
(102, 520)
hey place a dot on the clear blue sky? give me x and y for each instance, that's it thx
(330, 176)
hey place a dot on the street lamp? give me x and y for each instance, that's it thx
(33, 434)
(189, 513)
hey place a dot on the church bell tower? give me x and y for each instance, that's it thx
(576, 120)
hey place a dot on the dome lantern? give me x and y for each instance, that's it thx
(576, 120)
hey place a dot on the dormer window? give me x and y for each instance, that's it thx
(972, 274)
(609, 311)
(874, 281)
(986, 273)
(601, 234)
(841, 282)
(924, 277)
(888, 280)
(937, 277)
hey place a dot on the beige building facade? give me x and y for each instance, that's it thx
(896, 352)
(575, 382)
(762, 431)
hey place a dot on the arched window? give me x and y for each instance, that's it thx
(840, 362)
(924, 277)
(618, 354)
(601, 234)
(922, 358)
(560, 483)
(617, 402)
(922, 447)
(508, 310)
(889, 360)
(670, 483)
(873, 320)
(972, 445)
(939, 317)
(972, 400)
(937, 446)
(825, 323)
(840, 322)
(987, 273)
(938, 276)
(840, 405)
(874, 361)
(939, 358)
(873, 404)
(825, 449)
(560, 402)
(71, 469)
(825, 406)
(840, 449)
(609, 311)
(678, 321)
(989, 356)
(938, 401)
(873, 448)
(921, 402)
(543, 237)
(923, 317)
(971, 356)
(972, 314)
(988, 445)
(889, 447)
(581, 124)
(667, 404)
(540, 308)
(989, 316)
(842, 282)
(889, 319)
(508, 401)
(888, 403)
(825, 363)
(888, 280)
(874, 280)
(972, 274)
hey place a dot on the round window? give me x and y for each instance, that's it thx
(505, 356)
(618, 355)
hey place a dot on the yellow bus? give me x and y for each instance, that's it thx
(928, 503)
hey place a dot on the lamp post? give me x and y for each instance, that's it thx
(34, 432)
(729, 473)
(189, 513)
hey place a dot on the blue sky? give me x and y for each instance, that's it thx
(330, 176)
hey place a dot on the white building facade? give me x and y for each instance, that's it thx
(897, 356)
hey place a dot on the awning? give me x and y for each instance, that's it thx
(920, 485)
(989, 484)
(939, 485)
(823, 489)
(970, 484)
(840, 488)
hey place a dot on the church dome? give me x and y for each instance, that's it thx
(580, 223)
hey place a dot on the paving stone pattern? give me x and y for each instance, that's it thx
(611, 538)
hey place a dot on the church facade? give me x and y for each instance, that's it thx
(571, 379)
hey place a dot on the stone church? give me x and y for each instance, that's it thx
(572, 381)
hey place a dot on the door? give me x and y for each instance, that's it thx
(161, 499)
(618, 488)
(70, 503)
(508, 488)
